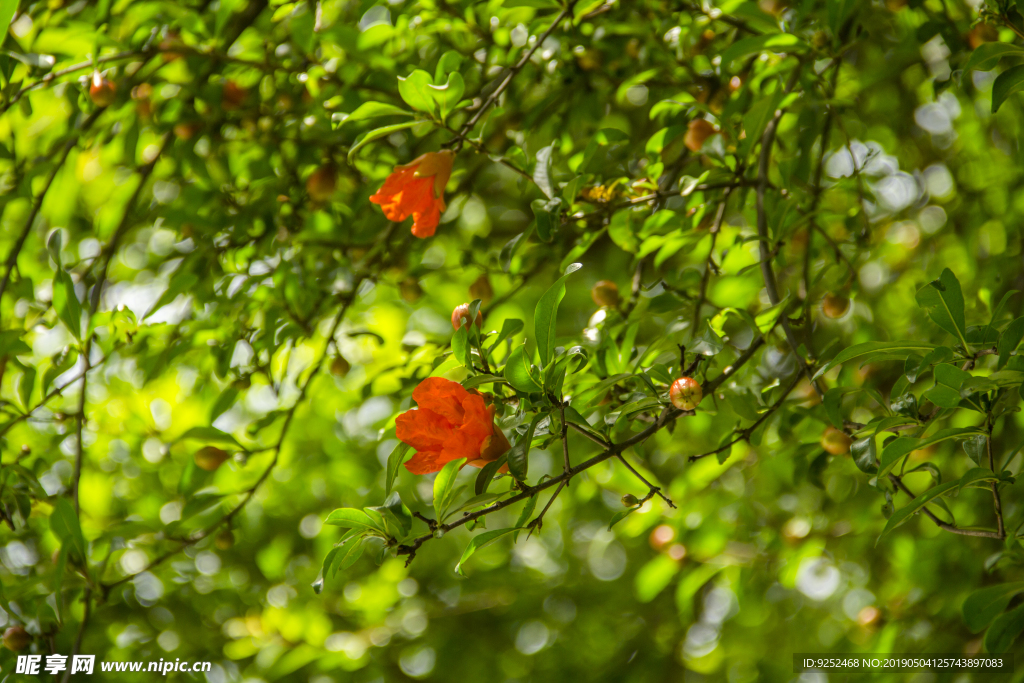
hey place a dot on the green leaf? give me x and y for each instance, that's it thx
(66, 303)
(976, 448)
(371, 110)
(477, 501)
(870, 349)
(415, 89)
(11, 344)
(944, 301)
(479, 380)
(377, 133)
(510, 327)
(211, 436)
(518, 456)
(444, 486)
(395, 460)
(450, 61)
(833, 404)
(487, 472)
(777, 42)
(1007, 83)
(352, 518)
(7, 10)
(948, 381)
(546, 316)
(1004, 630)
(64, 525)
(904, 513)
(865, 455)
(448, 95)
(1009, 340)
(901, 446)
(548, 215)
(975, 475)
(542, 171)
(460, 347)
(982, 606)
(481, 541)
(619, 516)
(518, 372)
(987, 55)
(708, 343)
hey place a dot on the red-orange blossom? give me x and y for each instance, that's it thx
(451, 423)
(417, 189)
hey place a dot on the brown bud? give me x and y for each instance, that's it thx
(322, 183)
(410, 290)
(462, 311)
(697, 132)
(605, 293)
(835, 441)
(629, 500)
(340, 366)
(233, 96)
(224, 540)
(209, 458)
(835, 305)
(102, 91)
(481, 289)
(16, 638)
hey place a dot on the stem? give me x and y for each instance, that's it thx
(981, 533)
(456, 142)
(654, 490)
(12, 257)
(767, 142)
(996, 502)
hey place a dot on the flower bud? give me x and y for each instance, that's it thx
(102, 91)
(322, 183)
(462, 311)
(209, 458)
(16, 638)
(630, 501)
(697, 132)
(605, 293)
(481, 289)
(685, 393)
(224, 540)
(410, 290)
(835, 441)
(340, 366)
(233, 96)
(835, 305)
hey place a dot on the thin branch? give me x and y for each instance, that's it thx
(12, 257)
(653, 490)
(538, 521)
(365, 270)
(716, 227)
(945, 526)
(744, 434)
(667, 415)
(996, 502)
(767, 142)
(456, 142)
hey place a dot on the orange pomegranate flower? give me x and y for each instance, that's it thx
(451, 423)
(417, 189)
